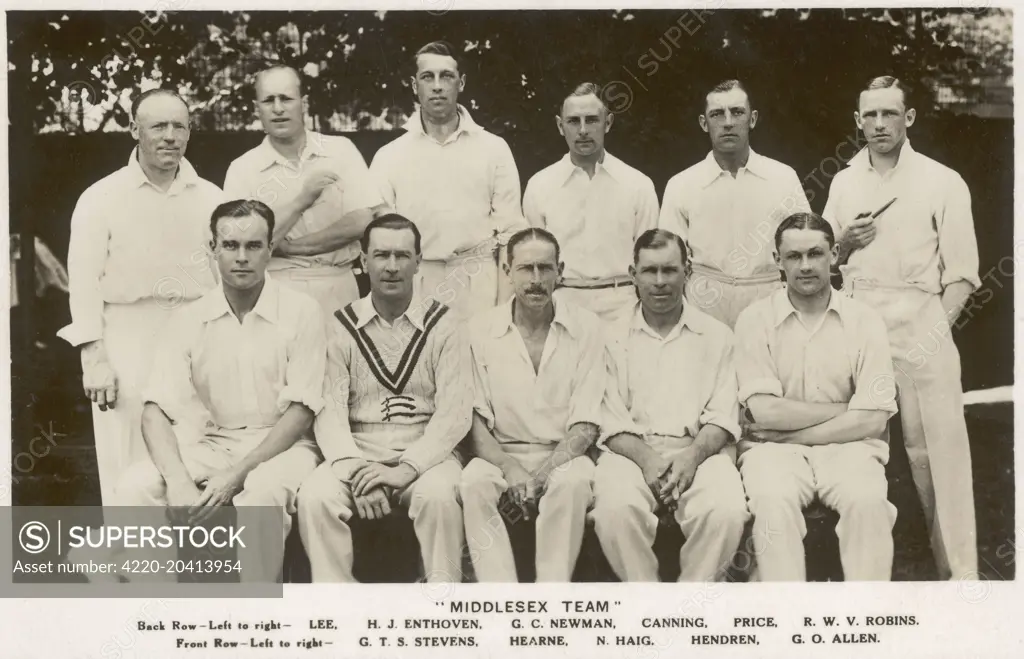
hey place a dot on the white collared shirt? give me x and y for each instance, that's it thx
(925, 239)
(131, 241)
(596, 220)
(846, 359)
(520, 405)
(728, 221)
(244, 374)
(264, 174)
(400, 391)
(460, 194)
(674, 385)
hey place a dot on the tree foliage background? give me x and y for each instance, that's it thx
(76, 71)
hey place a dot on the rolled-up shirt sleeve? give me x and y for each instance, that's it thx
(723, 408)
(453, 400)
(616, 418)
(673, 216)
(87, 255)
(506, 204)
(755, 368)
(481, 385)
(875, 386)
(331, 426)
(588, 382)
(958, 244)
(170, 385)
(358, 188)
(307, 362)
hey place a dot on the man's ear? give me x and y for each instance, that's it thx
(753, 119)
(632, 273)
(609, 120)
(134, 128)
(703, 121)
(911, 116)
(462, 82)
(558, 124)
(857, 120)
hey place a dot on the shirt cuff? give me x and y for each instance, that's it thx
(880, 399)
(767, 386)
(731, 426)
(312, 399)
(952, 277)
(78, 333)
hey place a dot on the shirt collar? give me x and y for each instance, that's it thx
(711, 170)
(610, 164)
(563, 316)
(688, 319)
(466, 124)
(185, 176)
(269, 156)
(782, 307)
(863, 158)
(215, 303)
(365, 311)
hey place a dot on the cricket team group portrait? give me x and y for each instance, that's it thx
(436, 362)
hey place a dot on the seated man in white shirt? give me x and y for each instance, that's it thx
(595, 204)
(539, 375)
(253, 353)
(669, 426)
(815, 373)
(397, 400)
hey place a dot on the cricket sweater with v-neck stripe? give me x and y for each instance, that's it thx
(398, 392)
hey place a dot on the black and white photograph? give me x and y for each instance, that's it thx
(466, 298)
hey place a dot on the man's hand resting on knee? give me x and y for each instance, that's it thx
(373, 504)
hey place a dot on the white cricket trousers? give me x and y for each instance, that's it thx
(561, 516)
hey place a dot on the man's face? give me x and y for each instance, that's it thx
(161, 129)
(728, 119)
(584, 123)
(438, 84)
(534, 270)
(884, 118)
(242, 247)
(391, 262)
(279, 103)
(660, 278)
(807, 259)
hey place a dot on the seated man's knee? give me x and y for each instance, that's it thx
(139, 483)
(319, 490)
(477, 484)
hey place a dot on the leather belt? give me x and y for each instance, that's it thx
(597, 283)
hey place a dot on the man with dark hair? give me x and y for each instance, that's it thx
(728, 206)
(137, 251)
(595, 204)
(814, 372)
(669, 426)
(907, 248)
(398, 399)
(253, 354)
(539, 380)
(319, 187)
(458, 183)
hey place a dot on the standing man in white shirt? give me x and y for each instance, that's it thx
(253, 353)
(319, 187)
(595, 205)
(815, 373)
(669, 428)
(458, 183)
(139, 248)
(540, 378)
(916, 263)
(398, 398)
(728, 206)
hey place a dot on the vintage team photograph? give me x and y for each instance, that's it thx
(701, 295)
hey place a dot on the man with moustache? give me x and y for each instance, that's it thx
(319, 187)
(138, 249)
(539, 380)
(253, 353)
(398, 399)
(728, 206)
(814, 371)
(669, 426)
(458, 183)
(916, 263)
(595, 205)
